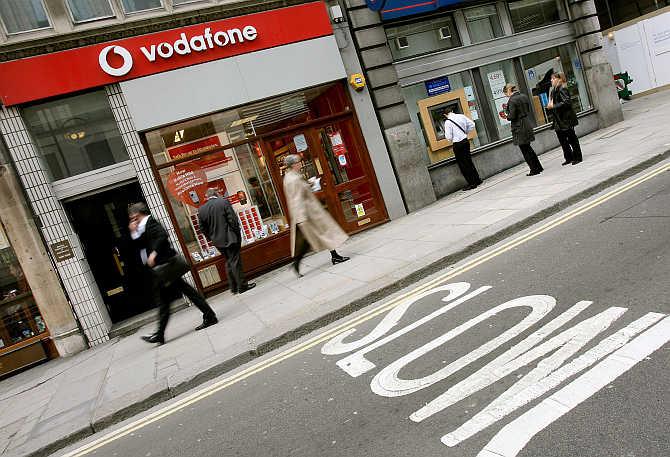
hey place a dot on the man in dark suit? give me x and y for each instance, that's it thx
(154, 247)
(219, 224)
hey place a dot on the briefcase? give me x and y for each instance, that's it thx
(173, 269)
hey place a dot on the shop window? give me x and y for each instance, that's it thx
(89, 10)
(135, 6)
(531, 14)
(76, 134)
(538, 68)
(483, 23)
(495, 76)
(458, 81)
(23, 15)
(20, 319)
(417, 38)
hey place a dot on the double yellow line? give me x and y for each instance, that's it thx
(370, 314)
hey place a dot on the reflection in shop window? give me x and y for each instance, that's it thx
(463, 80)
(20, 319)
(483, 23)
(417, 38)
(89, 10)
(531, 14)
(496, 76)
(23, 15)
(134, 6)
(76, 134)
(538, 68)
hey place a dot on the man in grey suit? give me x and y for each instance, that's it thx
(220, 225)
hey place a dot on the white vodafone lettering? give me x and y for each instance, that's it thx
(182, 46)
(513, 437)
(338, 346)
(614, 355)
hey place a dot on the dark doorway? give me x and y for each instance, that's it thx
(101, 221)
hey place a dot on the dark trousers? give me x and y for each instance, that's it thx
(233, 267)
(570, 144)
(464, 161)
(302, 248)
(531, 158)
(180, 287)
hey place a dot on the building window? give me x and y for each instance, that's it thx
(183, 2)
(89, 10)
(483, 23)
(20, 319)
(23, 15)
(539, 66)
(135, 6)
(76, 134)
(531, 14)
(417, 38)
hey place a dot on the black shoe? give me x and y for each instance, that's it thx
(296, 268)
(155, 338)
(246, 287)
(470, 187)
(567, 162)
(534, 173)
(575, 162)
(339, 259)
(207, 322)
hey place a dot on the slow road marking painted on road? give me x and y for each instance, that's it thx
(348, 326)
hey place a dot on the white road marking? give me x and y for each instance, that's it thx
(388, 384)
(356, 364)
(549, 374)
(337, 346)
(512, 438)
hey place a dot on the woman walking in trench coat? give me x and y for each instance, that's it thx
(311, 225)
(518, 113)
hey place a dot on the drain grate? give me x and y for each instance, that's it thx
(613, 133)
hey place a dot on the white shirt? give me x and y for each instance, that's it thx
(141, 227)
(453, 133)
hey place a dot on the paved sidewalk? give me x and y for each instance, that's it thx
(76, 396)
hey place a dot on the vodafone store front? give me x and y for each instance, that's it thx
(165, 116)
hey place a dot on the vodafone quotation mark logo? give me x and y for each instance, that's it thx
(120, 51)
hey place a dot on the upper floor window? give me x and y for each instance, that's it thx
(483, 23)
(531, 14)
(182, 2)
(134, 6)
(416, 38)
(89, 10)
(76, 134)
(23, 15)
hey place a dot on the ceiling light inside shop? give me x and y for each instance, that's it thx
(239, 122)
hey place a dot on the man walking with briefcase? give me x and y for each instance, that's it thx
(167, 268)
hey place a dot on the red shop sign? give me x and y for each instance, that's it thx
(188, 184)
(200, 146)
(59, 73)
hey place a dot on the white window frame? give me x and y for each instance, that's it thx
(101, 18)
(11, 34)
(187, 2)
(398, 45)
(133, 13)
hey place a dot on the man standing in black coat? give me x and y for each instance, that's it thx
(155, 249)
(518, 113)
(219, 224)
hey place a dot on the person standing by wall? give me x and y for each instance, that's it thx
(518, 113)
(564, 119)
(311, 225)
(220, 225)
(167, 266)
(456, 129)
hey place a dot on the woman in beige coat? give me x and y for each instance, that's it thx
(311, 225)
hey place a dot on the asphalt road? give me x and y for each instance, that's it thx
(595, 393)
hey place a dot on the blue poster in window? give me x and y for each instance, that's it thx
(438, 86)
(392, 9)
(544, 98)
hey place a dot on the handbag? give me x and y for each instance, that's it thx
(173, 269)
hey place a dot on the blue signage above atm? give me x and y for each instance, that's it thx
(393, 9)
